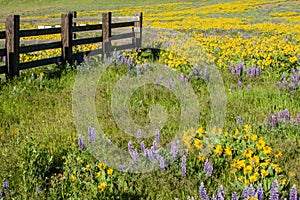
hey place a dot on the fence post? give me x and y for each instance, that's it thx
(66, 37)
(138, 25)
(106, 33)
(74, 24)
(12, 44)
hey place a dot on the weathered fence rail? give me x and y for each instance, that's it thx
(68, 29)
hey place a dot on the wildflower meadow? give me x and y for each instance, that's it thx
(208, 108)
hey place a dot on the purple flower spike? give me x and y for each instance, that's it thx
(260, 193)
(130, 146)
(5, 185)
(208, 168)
(81, 142)
(202, 192)
(239, 119)
(135, 154)
(183, 165)
(174, 150)
(240, 84)
(139, 134)
(233, 87)
(234, 196)
(91, 134)
(220, 193)
(143, 149)
(249, 87)
(157, 136)
(274, 191)
(293, 193)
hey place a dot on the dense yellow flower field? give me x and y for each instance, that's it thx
(253, 32)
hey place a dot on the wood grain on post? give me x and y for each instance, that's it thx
(138, 25)
(106, 33)
(12, 27)
(66, 37)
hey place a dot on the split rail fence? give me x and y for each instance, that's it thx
(68, 30)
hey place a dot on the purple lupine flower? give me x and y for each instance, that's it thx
(283, 76)
(234, 196)
(150, 154)
(5, 185)
(249, 87)
(38, 189)
(4, 58)
(157, 136)
(293, 193)
(278, 84)
(132, 163)
(245, 193)
(130, 146)
(182, 77)
(195, 72)
(260, 192)
(287, 114)
(202, 192)
(240, 84)
(91, 134)
(139, 134)
(251, 191)
(239, 120)
(274, 120)
(257, 71)
(81, 142)
(122, 168)
(143, 149)
(233, 87)
(161, 161)
(220, 193)
(174, 150)
(1, 193)
(274, 191)
(154, 145)
(183, 165)
(135, 154)
(208, 167)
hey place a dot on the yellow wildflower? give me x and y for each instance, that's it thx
(98, 174)
(253, 179)
(248, 153)
(261, 143)
(254, 137)
(246, 182)
(198, 144)
(264, 173)
(228, 151)
(278, 169)
(240, 178)
(87, 167)
(277, 154)
(248, 169)
(283, 181)
(267, 150)
(200, 131)
(101, 166)
(247, 128)
(218, 150)
(110, 171)
(101, 187)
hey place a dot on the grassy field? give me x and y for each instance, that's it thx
(253, 45)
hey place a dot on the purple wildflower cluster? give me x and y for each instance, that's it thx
(238, 69)
(294, 82)
(282, 117)
(253, 71)
(248, 192)
(91, 134)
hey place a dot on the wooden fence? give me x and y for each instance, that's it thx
(68, 30)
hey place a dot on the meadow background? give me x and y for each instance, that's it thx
(254, 44)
